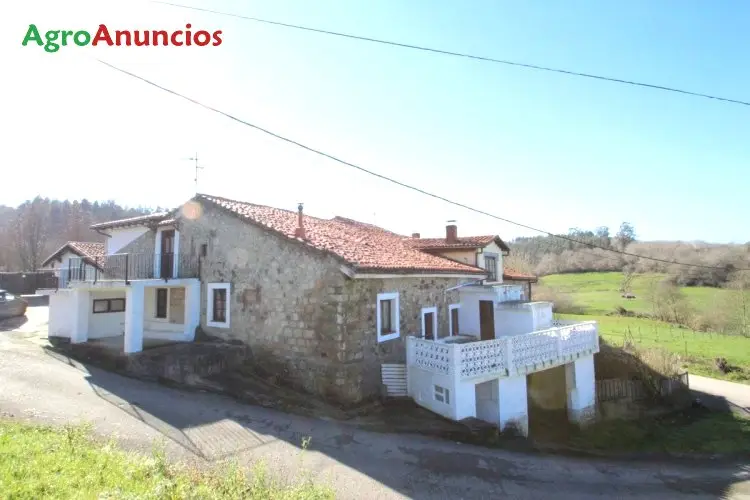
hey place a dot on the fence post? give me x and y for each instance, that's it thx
(126, 270)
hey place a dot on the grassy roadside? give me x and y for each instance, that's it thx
(691, 431)
(47, 462)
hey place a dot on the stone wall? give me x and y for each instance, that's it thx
(360, 321)
(285, 299)
(305, 321)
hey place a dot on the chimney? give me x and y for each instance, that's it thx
(299, 231)
(451, 232)
(415, 235)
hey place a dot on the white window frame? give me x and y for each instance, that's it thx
(434, 311)
(451, 307)
(395, 316)
(210, 287)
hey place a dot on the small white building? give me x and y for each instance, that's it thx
(499, 347)
(135, 286)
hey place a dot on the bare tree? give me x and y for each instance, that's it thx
(30, 233)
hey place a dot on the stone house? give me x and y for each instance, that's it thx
(341, 309)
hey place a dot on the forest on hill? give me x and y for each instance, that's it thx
(589, 251)
(30, 232)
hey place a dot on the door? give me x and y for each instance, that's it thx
(167, 254)
(486, 320)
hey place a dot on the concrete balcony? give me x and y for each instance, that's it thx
(465, 358)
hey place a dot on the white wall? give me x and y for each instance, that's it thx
(121, 237)
(581, 385)
(61, 313)
(421, 386)
(488, 404)
(154, 324)
(106, 324)
(522, 318)
(465, 256)
(514, 403)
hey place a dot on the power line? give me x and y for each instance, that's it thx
(461, 54)
(399, 183)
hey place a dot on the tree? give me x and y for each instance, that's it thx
(625, 236)
(31, 231)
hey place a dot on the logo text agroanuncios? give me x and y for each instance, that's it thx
(54, 39)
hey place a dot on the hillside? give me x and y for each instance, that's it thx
(713, 322)
(33, 230)
(545, 255)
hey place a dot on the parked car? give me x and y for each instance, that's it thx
(11, 305)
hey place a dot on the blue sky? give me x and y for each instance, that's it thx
(547, 150)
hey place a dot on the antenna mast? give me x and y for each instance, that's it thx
(195, 159)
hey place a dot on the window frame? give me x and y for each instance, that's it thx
(493, 257)
(425, 312)
(451, 327)
(395, 316)
(109, 305)
(210, 287)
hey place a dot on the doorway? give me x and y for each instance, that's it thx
(429, 323)
(167, 254)
(487, 320)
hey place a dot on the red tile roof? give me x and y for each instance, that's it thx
(367, 248)
(133, 221)
(90, 251)
(512, 274)
(464, 242)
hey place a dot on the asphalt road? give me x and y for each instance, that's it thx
(40, 385)
(736, 394)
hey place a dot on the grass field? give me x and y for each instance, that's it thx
(46, 462)
(598, 295)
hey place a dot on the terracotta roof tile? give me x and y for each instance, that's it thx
(141, 219)
(88, 250)
(512, 274)
(365, 247)
(466, 242)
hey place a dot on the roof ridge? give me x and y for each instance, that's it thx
(294, 212)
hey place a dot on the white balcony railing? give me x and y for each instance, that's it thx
(505, 356)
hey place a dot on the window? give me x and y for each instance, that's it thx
(387, 316)
(162, 300)
(442, 394)
(217, 310)
(453, 319)
(108, 305)
(204, 249)
(490, 264)
(429, 323)
(220, 306)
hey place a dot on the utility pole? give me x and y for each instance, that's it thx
(195, 159)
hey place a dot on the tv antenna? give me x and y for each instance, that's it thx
(197, 167)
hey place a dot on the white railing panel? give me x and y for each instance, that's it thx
(433, 356)
(482, 358)
(533, 348)
(579, 338)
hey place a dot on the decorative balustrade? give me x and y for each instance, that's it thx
(481, 358)
(505, 356)
(433, 356)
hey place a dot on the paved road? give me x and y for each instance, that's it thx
(42, 386)
(737, 394)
